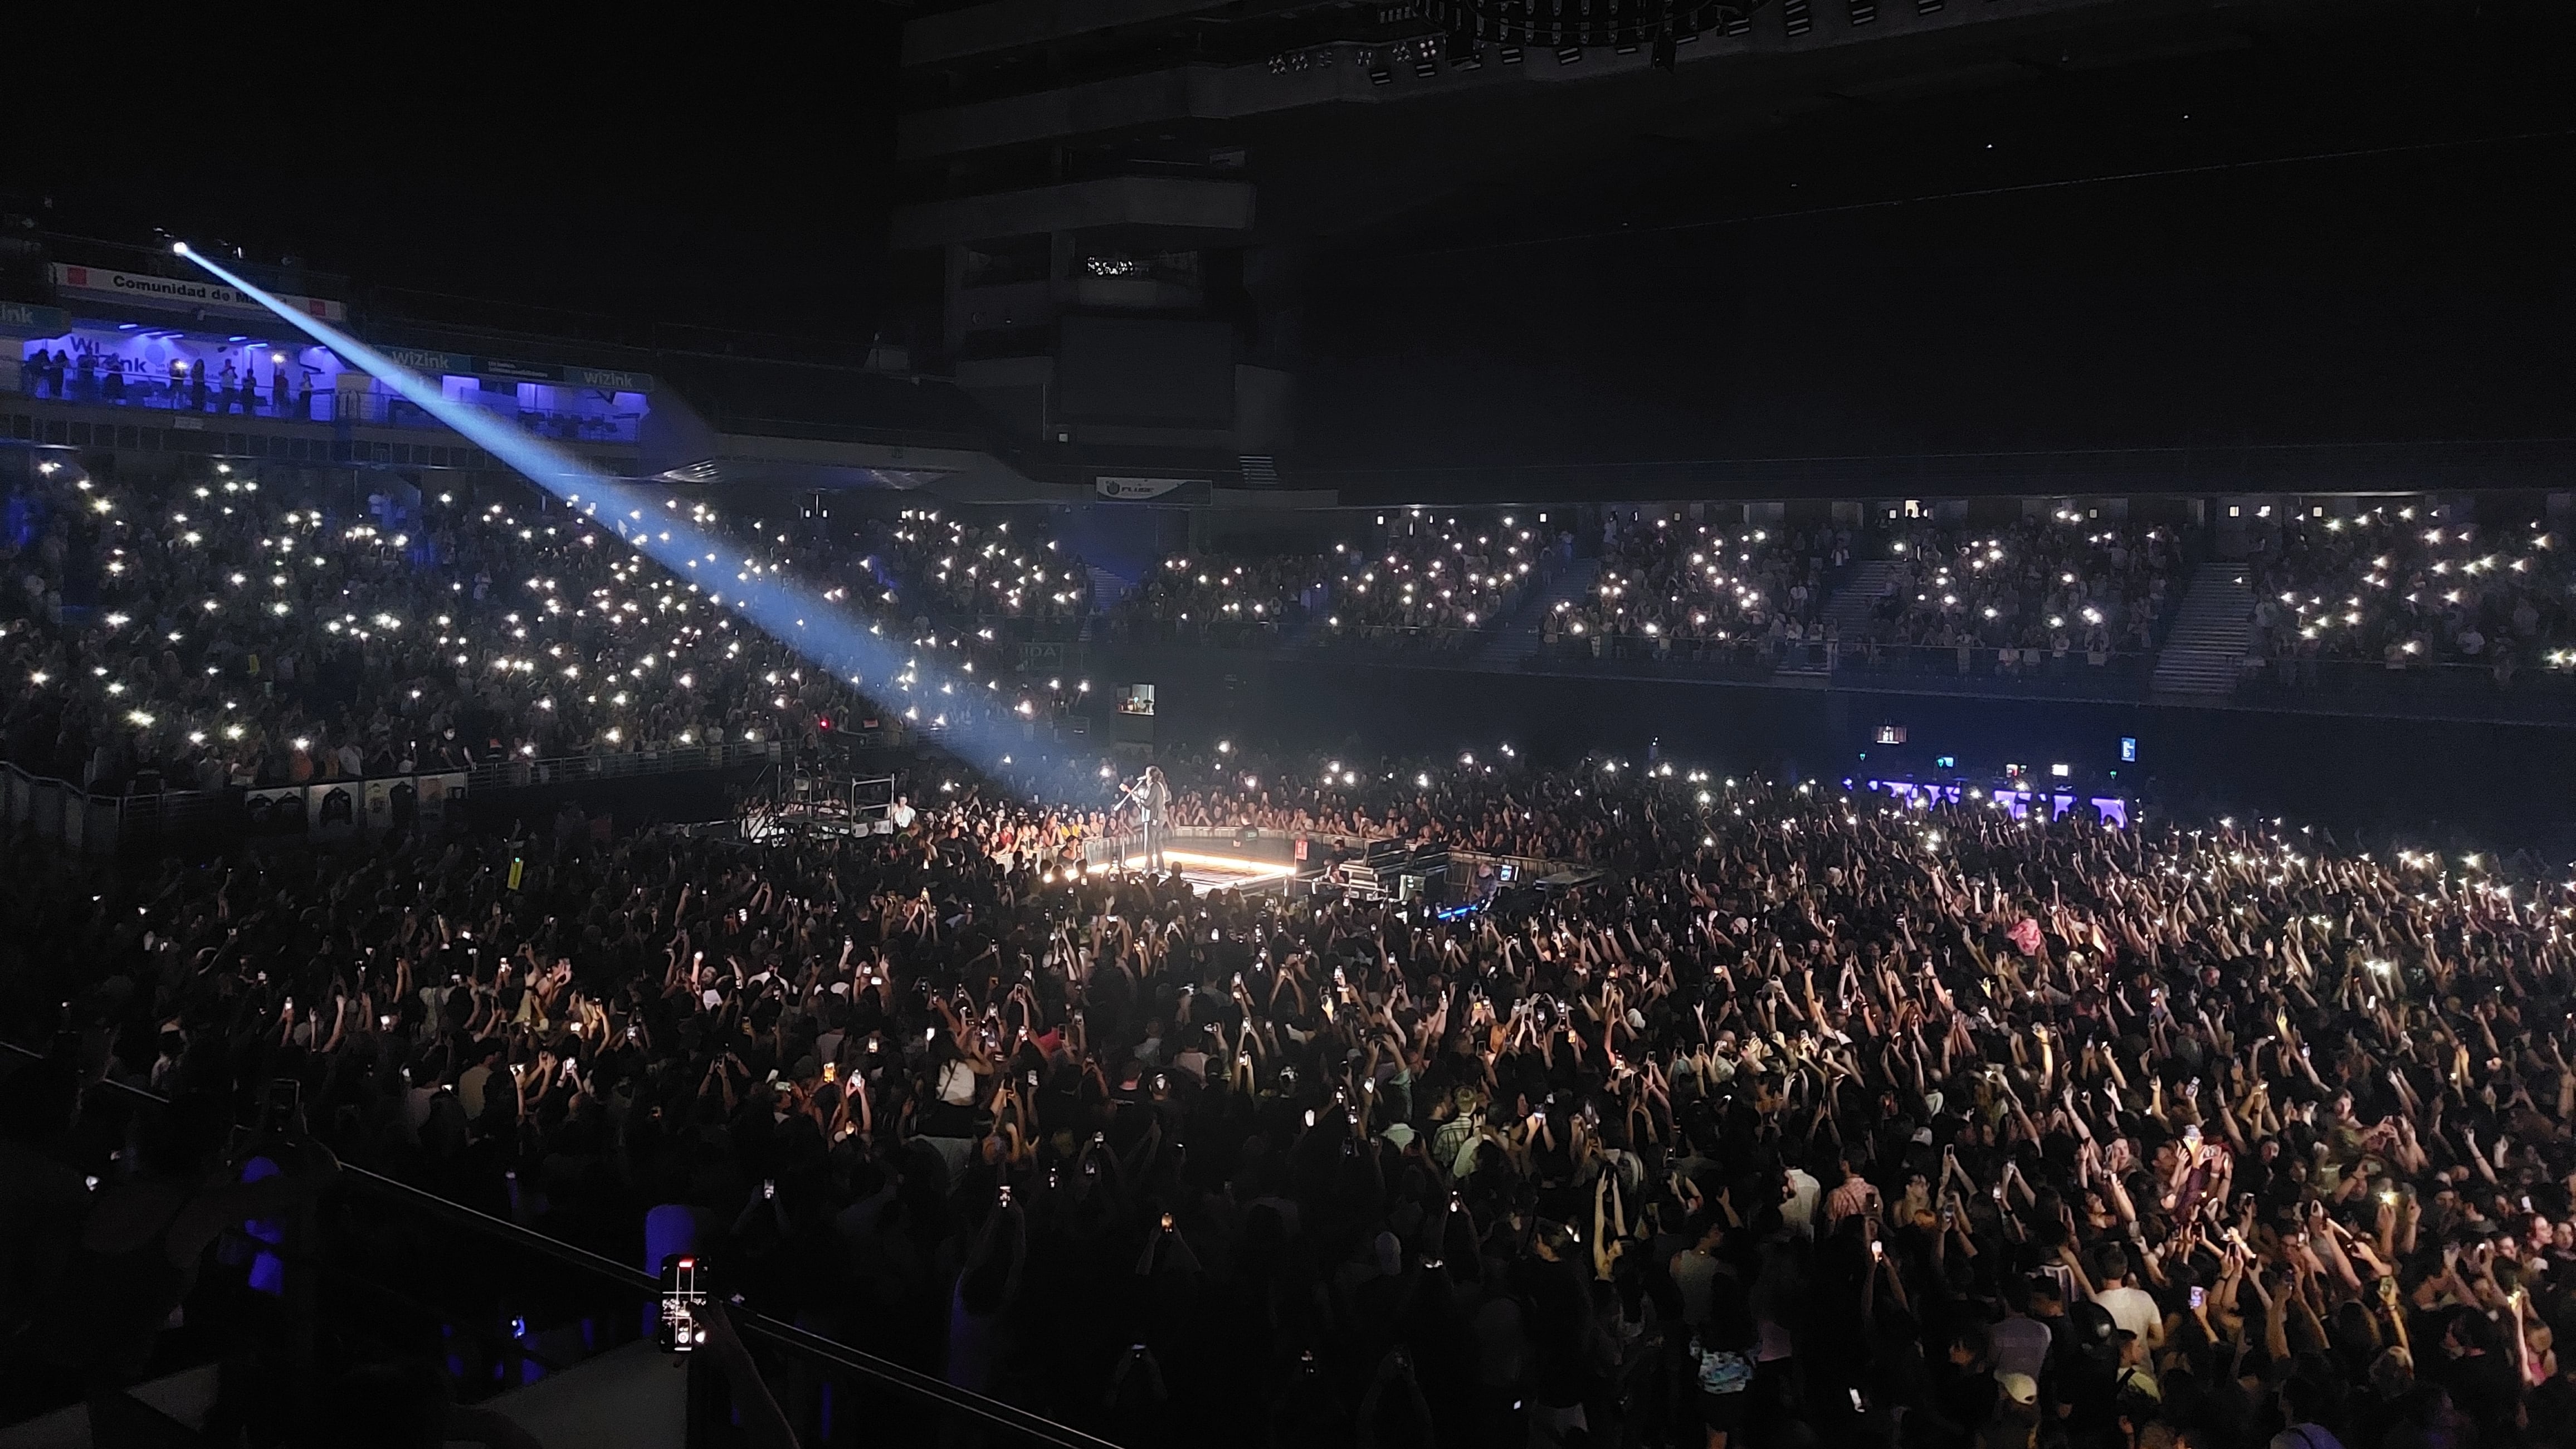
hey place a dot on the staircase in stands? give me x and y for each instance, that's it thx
(1847, 609)
(1517, 637)
(2205, 653)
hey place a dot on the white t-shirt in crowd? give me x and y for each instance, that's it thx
(2133, 1309)
(1799, 1212)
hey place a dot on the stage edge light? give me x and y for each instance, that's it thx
(814, 627)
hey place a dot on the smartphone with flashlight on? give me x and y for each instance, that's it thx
(682, 1327)
(2199, 1298)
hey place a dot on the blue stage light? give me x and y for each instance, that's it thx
(799, 617)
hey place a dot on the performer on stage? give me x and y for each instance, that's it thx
(1152, 798)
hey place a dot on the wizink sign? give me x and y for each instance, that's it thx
(1135, 490)
(611, 380)
(431, 363)
(27, 317)
(180, 292)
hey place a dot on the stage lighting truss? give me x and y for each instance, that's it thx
(1559, 25)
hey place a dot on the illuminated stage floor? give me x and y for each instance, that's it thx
(1207, 872)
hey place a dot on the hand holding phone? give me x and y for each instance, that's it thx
(681, 1325)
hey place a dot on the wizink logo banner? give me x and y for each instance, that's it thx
(612, 380)
(213, 296)
(431, 363)
(1132, 490)
(28, 317)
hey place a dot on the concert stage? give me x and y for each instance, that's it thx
(1207, 871)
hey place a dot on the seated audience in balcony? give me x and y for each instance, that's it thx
(960, 573)
(1671, 589)
(2403, 587)
(2058, 586)
(217, 633)
(1223, 599)
(1433, 583)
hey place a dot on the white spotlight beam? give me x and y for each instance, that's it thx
(801, 618)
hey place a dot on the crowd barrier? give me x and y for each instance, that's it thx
(1311, 635)
(2448, 691)
(1502, 870)
(1739, 662)
(99, 823)
(1977, 668)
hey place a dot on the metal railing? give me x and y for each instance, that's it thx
(516, 773)
(2451, 691)
(96, 823)
(1515, 869)
(1405, 638)
(502, 1304)
(1667, 657)
(1305, 634)
(100, 822)
(1223, 632)
(184, 398)
(1983, 669)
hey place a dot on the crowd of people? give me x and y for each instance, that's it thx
(254, 379)
(1428, 582)
(1818, 1118)
(2406, 587)
(963, 572)
(1670, 589)
(1484, 803)
(222, 633)
(2056, 585)
(1434, 582)
(250, 380)
(1821, 1119)
(1222, 599)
